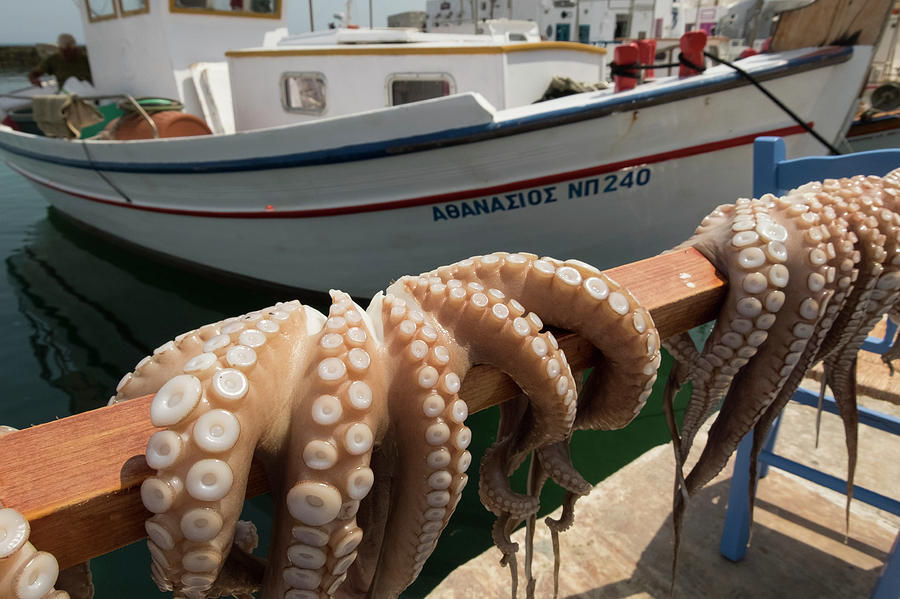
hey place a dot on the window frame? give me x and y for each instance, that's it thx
(276, 14)
(285, 103)
(113, 15)
(430, 76)
(130, 13)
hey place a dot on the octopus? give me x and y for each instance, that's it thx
(809, 274)
(356, 418)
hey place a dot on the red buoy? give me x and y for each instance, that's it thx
(647, 50)
(692, 44)
(626, 54)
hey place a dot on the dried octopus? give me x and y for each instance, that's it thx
(357, 420)
(809, 275)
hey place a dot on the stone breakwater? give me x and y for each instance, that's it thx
(18, 57)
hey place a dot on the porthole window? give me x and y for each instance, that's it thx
(404, 88)
(303, 92)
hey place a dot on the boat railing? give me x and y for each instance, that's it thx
(127, 97)
(84, 472)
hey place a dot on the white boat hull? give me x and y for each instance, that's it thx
(351, 202)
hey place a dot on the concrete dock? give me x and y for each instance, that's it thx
(621, 544)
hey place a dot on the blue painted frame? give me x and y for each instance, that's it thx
(773, 173)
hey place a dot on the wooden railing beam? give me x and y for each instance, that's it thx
(77, 480)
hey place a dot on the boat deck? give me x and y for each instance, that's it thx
(621, 544)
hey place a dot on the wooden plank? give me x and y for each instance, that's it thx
(83, 473)
(832, 22)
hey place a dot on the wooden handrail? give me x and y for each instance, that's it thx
(83, 473)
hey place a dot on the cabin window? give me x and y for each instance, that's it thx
(303, 92)
(100, 10)
(623, 26)
(133, 7)
(414, 87)
(230, 8)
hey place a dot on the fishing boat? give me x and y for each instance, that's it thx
(343, 157)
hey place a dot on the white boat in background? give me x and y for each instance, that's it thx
(345, 157)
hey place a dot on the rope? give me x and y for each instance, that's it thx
(630, 71)
(778, 102)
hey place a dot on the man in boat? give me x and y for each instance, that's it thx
(68, 61)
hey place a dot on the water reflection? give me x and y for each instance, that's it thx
(95, 309)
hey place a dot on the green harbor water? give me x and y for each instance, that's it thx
(80, 312)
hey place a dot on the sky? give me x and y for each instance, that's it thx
(30, 21)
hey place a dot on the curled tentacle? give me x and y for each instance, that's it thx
(231, 399)
(577, 297)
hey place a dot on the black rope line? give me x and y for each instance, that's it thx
(778, 102)
(682, 60)
(626, 70)
(630, 71)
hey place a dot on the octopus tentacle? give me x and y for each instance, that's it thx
(575, 296)
(758, 383)
(582, 300)
(485, 323)
(430, 442)
(750, 246)
(843, 260)
(356, 418)
(223, 404)
(684, 354)
(760, 287)
(861, 295)
(335, 425)
(841, 377)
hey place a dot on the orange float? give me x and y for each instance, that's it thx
(169, 123)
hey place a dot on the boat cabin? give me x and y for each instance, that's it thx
(148, 47)
(233, 63)
(316, 75)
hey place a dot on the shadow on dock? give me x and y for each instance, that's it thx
(621, 544)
